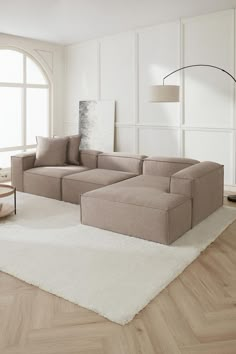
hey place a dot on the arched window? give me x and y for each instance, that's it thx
(24, 104)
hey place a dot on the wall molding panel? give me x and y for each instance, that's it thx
(122, 67)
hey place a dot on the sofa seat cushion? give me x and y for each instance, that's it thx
(46, 181)
(140, 211)
(75, 185)
(146, 196)
(145, 182)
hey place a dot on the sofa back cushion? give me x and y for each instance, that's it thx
(89, 158)
(121, 162)
(165, 166)
(72, 148)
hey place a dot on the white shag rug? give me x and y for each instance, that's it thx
(111, 274)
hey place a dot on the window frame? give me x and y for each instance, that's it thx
(24, 86)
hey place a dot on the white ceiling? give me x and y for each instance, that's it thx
(71, 21)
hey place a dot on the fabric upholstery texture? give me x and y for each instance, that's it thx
(165, 166)
(47, 181)
(51, 152)
(73, 149)
(72, 155)
(26, 161)
(89, 158)
(144, 212)
(19, 164)
(136, 192)
(75, 185)
(204, 184)
(121, 162)
(147, 183)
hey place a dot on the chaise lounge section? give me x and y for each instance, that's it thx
(171, 197)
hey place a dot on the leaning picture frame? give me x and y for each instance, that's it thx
(97, 125)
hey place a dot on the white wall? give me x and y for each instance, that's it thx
(122, 67)
(51, 58)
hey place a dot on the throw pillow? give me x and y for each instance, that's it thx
(51, 152)
(73, 149)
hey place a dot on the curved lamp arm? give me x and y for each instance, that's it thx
(195, 65)
(171, 93)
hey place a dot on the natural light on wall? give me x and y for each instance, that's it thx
(24, 104)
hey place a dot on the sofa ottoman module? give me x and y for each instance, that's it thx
(143, 212)
(112, 168)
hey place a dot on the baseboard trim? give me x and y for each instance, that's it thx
(228, 188)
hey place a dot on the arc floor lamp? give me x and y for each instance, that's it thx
(170, 93)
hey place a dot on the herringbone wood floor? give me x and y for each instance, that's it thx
(195, 314)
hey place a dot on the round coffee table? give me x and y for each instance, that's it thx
(7, 209)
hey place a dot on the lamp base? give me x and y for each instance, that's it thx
(232, 198)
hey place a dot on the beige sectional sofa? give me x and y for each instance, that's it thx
(153, 198)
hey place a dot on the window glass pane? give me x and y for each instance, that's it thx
(34, 74)
(30, 151)
(11, 66)
(10, 116)
(37, 114)
(5, 158)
